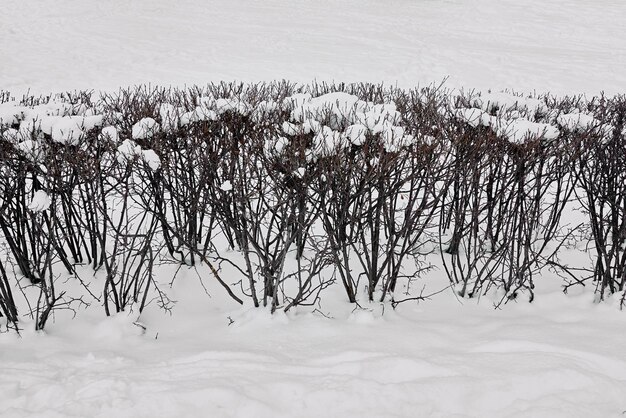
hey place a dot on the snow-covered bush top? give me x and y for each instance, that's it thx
(62, 122)
(521, 118)
(338, 119)
(129, 150)
(145, 128)
(333, 120)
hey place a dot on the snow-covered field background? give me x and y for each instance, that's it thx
(562, 46)
(561, 356)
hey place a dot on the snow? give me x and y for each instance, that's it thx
(574, 121)
(356, 134)
(327, 141)
(71, 129)
(198, 114)
(226, 186)
(561, 356)
(338, 104)
(53, 119)
(394, 138)
(510, 122)
(297, 100)
(338, 110)
(565, 46)
(11, 135)
(169, 116)
(127, 150)
(232, 105)
(40, 202)
(280, 144)
(52, 108)
(266, 107)
(475, 117)
(151, 158)
(145, 128)
(290, 129)
(9, 115)
(491, 102)
(311, 125)
(519, 130)
(109, 133)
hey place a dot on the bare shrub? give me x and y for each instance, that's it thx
(601, 174)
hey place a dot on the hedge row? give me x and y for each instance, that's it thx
(310, 185)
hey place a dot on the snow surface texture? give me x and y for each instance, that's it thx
(561, 356)
(565, 46)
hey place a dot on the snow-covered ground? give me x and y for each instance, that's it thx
(564, 46)
(561, 356)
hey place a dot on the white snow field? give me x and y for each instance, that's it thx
(561, 356)
(562, 46)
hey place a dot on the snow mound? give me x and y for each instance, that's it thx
(64, 129)
(226, 186)
(311, 125)
(41, 201)
(109, 133)
(200, 113)
(232, 105)
(339, 119)
(394, 138)
(145, 128)
(9, 115)
(266, 106)
(520, 130)
(128, 150)
(328, 141)
(510, 122)
(356, 134)
(52, 108)
(118, 327)
(296, 100)
(576, 121)
(280, 144)
(290, 129)
(152, 159)
(71, 129)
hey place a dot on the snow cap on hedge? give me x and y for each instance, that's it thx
(145, 128)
